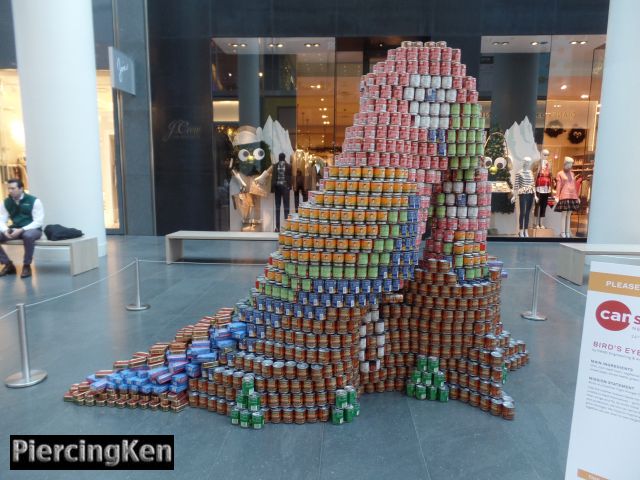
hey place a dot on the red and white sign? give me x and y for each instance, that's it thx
(605, 430)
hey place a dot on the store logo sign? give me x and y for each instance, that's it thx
(615, 316)
(181, 130)
(122, 71)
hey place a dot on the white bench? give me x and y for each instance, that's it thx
(83, 251)
(572, 257)
(173, 242)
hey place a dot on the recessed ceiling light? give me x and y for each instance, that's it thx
(496, 43)
(583, 42)
(381, 44)
(308, 45)
(563, 86)
(230, 74)
(260, 74)
(535, 43)
(271, 45)
(243, 45)
(574, 42)
(584, 96)
(557, 105)
(504, 43)
(318, 86)
(322, 99)
(316, 44)
(234, 45)
(280, 45)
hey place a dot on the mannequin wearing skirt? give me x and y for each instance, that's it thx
(567, 188)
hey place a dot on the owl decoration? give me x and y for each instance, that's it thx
(251, 156)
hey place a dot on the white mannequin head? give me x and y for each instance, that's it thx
(568, 163)
(526, 163)
(545, 153)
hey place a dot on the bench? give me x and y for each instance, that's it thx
(173, 241)
(572, 257)
(83, 251)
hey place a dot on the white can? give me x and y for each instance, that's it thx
(425, 81)
(452, 95)
(445, 109)
(450, 199)
(462, 212)
(452, 212)
(441, 95)
(424, 108)
(435, 121)
(414, 80)
(434, 109)
(458, 187)
(447, 187)
(444, 121)
(408, 93)
(414, 107)
(380, 339)
(425, 122)
(447, 81)
(419, 94)
(436, 81)
(470, 187)
(472, 200)
(473, 212)
(379, 327)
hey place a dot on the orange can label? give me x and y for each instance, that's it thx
(330, 244)
(366, 244)
(338, 257)
(348, 229)
(354, 246)
(385, 202)
(334, 171)
(336, 229)
(375, 202)
(343, 172)
(364, 186)
(360, 230)
(329, 185)
(366, 172)
(363, 201)
(350, 200)
(338, 200)
(359, 216)
(355, 172)
(342, 244)
(390, 173)
(376, 187)
(352, 185)
(326, 257)
(346, 216)
(313, 228)
(335, 215)
(382, 216)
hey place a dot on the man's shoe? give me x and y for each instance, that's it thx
(26, 271)
(8, 269)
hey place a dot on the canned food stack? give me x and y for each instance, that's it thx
(427, 381)
(346, 407)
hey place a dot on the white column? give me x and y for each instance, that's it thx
(615, 197)
(57, 70)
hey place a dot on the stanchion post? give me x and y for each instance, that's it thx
(138, 306)
(533, 313)
(26, 377)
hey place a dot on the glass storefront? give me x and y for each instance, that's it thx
(298, 94)
(13, 160)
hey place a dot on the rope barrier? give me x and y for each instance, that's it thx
(239, 264)
(9, 313)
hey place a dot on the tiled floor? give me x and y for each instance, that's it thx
(394, 437)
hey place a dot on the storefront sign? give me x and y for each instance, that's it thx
(606, 413)
(181, 130)
(122, 71)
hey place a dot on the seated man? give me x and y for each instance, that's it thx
(26, 214)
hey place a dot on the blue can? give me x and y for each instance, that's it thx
(318, 285)
(354, 286)
(325, 300)
(309, 311)
(407, 258)
(387, 285)
(395, 258)
(337, 300)
(330, 286)
(365, 286)
(343, 286)
(404, 230)
(461, 200)
(288, 308)
(258, 317)
(376, 286)
(251, 330)
(363, 299)
(314, 299)
(297, 310)
(303, 298)
(398, 243)
(268, 303)
(277, 306)
(441, 135)
(250, 345)
(276, 320)
(460, 274)
(261, 302)
(407, 272)
(350, 300)
(320, 313)
(442, 149)
(395, 284)
(261, 332)
(373, 299)
(430, 95)
(432, 135)
(395, 271)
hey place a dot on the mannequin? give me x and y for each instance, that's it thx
(544, 180)
(281, 186)
(525, 191)
(567, 186)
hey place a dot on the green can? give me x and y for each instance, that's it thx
(433, 364)
(245, 418)
(361, 272)
(235, 416)
(394, 231)
(352, 394)
(286, 280)
(451, 136)
(462, 149)
(254, 402)
(341, 398)
(338, 272)
(383, 230)
(458, 261)
(452, 149)
(337, 416)
(268, 288)
(306, 284)
(349, 413)
(248, 382)
(476, 109)
(349, 272)
(410, 389)
(454, 162)
(275, 291)
(295, 283)
(303, 270)
(447, 248)
(466, 121)
(291, 296)
(475, 122)
(421, 392)
(471, 137)
(438, 379)
(431, 210)
(455, 119)
(378, 245)
(372, 271)
(379, 258)
(426, 378)
(466, 109)
(441, 211)
(471, 149)
(363, 259)
(356, 408)
(432, 392)
(314, 270)
(416, 376)
(443, 394)
(440, 198)
(421, 363)
(505, 371)
(454, 109)
(392, 216)
(462, 136)
(242, 400)
(257, 420)
(403, 216)
(388, 245)
(325, 271)
(480, 146)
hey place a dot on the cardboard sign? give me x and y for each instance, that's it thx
(605, 429)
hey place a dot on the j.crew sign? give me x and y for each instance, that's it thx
(122, 71)
(181, 130)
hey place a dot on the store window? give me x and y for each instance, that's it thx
(13, 159)
(555, 82)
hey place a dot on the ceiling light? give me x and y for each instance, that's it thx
(243, 45)
(280, 45)
(230, 74)
(496, 43)
(381, 44)
(535, 43)
(271, 45)
(325, 116)
(318, 86)
(316, 44)
(557, 105)
(504, 43)
(583, 42)
(584, 96)
(308, 45)
(260, 74)
(322, 99)
(234, 45)
(563, 86)
(574, 42)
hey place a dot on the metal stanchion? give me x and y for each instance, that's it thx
(26, 377)
(137, 307)
(533, 313)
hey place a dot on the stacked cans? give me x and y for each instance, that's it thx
(346, 305)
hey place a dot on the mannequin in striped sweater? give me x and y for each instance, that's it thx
(524, 189)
